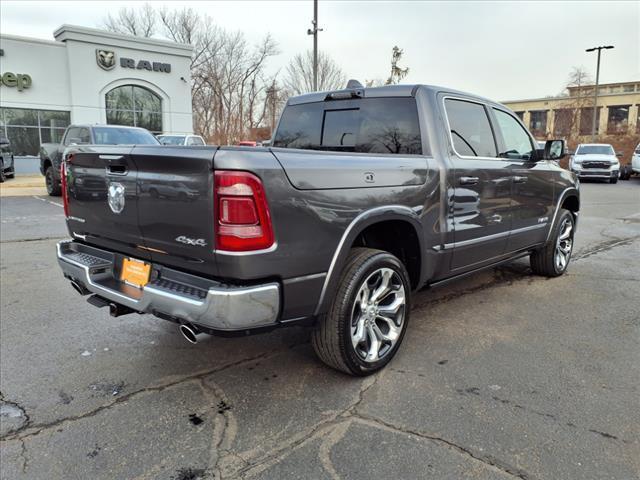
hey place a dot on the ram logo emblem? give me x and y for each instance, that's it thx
(106, 59)
(116, 197)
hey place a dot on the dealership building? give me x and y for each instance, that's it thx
(91, 76)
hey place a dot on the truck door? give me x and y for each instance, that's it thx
(481, 184)
(532, 193)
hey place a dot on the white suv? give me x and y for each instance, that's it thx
(187, 140)
(595, 160)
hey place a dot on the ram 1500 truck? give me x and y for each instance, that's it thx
(365, 196)
(51, 154)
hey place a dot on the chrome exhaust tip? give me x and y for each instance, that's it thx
(79, 288)
(191, 333)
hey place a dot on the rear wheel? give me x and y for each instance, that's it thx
(553, 259)
(613, 180)
(368, 317)
(53, 186)
(2, 177)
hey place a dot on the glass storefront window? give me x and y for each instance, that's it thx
(28, 128)
(134, 106)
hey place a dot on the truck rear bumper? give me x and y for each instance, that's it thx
(172, 294)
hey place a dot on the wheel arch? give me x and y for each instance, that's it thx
(367, 229)
(569, 199)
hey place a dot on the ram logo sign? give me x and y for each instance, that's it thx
(106, 59)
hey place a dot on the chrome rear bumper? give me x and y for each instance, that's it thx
(187, 298)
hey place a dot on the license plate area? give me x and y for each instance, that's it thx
(135, 272)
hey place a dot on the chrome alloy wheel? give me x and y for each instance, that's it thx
(377, 317)
(564, 245)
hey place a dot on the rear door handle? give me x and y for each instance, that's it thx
(519, 179)
(115, 163)
(469, 180)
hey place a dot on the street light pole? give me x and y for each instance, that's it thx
(595, 94)
(314, 31)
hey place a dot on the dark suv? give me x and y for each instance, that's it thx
(365, 196)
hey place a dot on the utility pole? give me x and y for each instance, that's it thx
(314, 31)
(595, 94)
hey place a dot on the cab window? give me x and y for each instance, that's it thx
(470, 129)
(517, 143)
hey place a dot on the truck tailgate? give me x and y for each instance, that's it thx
(175, 205)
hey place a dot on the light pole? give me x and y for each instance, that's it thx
(595, 94)
(314, 31)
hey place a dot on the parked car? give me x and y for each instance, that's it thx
(365, 196)
(596, 160)
(634, 167)
(51, 154)
(188, 140)
(7, 163)
(247, 143)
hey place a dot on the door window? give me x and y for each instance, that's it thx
(195, 141)
(470, 129)
(517, 143)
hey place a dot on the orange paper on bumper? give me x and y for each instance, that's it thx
(135, 272)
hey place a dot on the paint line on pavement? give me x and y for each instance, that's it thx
(49, 201)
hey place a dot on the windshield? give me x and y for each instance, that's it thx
(171, 139)
(123, 136)
(595, 150)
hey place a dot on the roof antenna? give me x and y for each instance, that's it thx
(354, 84)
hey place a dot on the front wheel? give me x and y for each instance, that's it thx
(613, 180)
(368, 317)
(53, 186)
(552, 260)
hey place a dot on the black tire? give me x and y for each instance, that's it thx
(625, 172)
(332, 336)
(11, 173)
(54, 188)
(613, 180)
(2, 176)
(544, 261)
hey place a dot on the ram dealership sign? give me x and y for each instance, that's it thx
(106, 60)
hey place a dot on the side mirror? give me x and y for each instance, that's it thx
(555, 150)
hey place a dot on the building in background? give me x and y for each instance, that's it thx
(91, 76)
(571, 116)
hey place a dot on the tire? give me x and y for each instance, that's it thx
(2, 177)
(53, 186)
(11, 174)
(335, 337)
(625, 173)
(613, 180)
(545, 261)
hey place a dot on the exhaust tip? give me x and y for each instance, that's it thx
(79, 288)
(189, 333)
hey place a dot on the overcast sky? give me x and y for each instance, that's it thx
(502, 50)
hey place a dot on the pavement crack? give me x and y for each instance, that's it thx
(27, 430)
(23, 456)
(10, 409)
(39, 239)
(486, 459)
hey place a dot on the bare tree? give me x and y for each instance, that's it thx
(128, 21)
(299, 74)
(228, 88)
(579, 76)
(397, 73)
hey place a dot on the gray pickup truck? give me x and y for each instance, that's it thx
(51, 154)
(365, 196)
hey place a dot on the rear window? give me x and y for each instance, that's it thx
(171, 139)
(123, 136)
(373, 125)
(595, 150)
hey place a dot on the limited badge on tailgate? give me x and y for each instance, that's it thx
(135, 272)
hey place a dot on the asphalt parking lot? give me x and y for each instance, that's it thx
(501, 375)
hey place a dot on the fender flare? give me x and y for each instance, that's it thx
(355, 228)
(566, 193)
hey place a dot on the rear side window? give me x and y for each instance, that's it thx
(123, 136)
(373, 125)
(195, 141)
(470, 129)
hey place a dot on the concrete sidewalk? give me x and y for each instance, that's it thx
(23, 185)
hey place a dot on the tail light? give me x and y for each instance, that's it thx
(243, 222)
(63, 181)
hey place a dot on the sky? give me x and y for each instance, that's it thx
(502, 50)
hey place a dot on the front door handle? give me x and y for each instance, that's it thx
(469, 180)
(519, 179)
